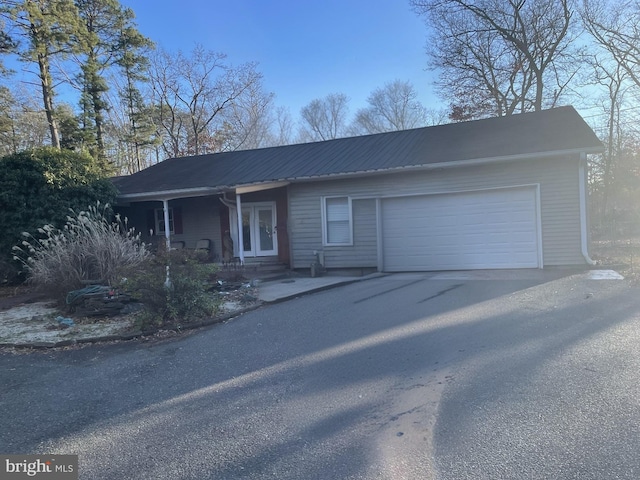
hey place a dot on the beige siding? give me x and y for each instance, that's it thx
(200, 220)
(559, 205)
(364, 252)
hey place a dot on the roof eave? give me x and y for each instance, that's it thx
(162, 195)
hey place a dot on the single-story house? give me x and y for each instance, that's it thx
(496, 193)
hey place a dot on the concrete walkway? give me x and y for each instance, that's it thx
(284, 289)
(271, 291)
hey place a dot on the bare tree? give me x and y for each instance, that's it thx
(282, 132)
(169, 115)
(615, 80)
(23, 124)
(616, 35)
(191, 92)
(500, 57)
(324, 118)
(249, 119)
(615, 26)
(392, 107)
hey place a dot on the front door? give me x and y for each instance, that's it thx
(258, 229)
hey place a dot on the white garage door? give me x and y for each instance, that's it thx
(476, 230)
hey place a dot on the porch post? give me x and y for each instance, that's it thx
(167, 236)
(167, 232)
(240, 232)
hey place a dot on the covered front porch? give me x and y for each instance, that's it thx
(243, 226)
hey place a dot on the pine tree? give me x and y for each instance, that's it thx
(51, 29)
(134, 63)
(106, 22)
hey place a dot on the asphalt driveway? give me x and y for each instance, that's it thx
(450, 376)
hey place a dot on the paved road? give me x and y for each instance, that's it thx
(401, 377)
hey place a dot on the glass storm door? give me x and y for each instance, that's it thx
(259, 230)
(247, 230)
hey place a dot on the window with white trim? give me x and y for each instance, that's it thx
(337, 221)
(160, 221)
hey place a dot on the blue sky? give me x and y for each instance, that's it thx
(305, 49)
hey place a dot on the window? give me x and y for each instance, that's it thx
(160, 221)
(337, 221)
(155, 221)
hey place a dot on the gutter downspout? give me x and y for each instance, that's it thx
(226, 202)
(584, 234)
(240, 232)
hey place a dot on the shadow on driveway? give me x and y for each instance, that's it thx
(310, 388)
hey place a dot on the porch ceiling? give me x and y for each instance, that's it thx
(260, 187)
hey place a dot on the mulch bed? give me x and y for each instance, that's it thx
(12, 296)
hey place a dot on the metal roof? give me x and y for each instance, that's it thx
(525, 136)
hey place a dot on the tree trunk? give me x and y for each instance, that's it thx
(539, 90)
(47, 97)
(99, 119)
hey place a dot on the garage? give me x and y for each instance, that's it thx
(488, 229)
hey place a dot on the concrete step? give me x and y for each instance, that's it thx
(264, 272)
(260, 268)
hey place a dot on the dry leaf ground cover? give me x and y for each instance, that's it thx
(26, 318)
(621, 254)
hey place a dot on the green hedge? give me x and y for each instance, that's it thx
(39, 187)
